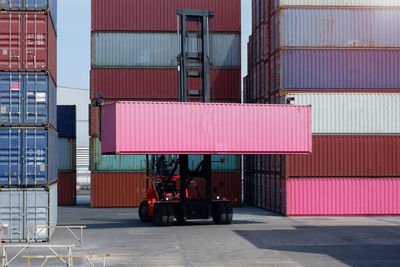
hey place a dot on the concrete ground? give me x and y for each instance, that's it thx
(256, 238)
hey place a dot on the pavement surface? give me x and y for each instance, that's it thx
(256, 238)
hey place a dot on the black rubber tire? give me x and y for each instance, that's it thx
(160, 215)
(171, 217)
(144, 212)
(219, 213)
(229, 213)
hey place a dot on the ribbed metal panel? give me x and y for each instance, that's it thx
(337, 28)
(66, 121)
(313, 70)
(27, 207)
(220, 163)
(114, 163)
(66, 154)
(126, 50)
(352, 113)
(66, 188)
(160, 15)
(343, 196)
(355, 3)
(348, 156)
(198, 128)
(117, 189)
(160, 84)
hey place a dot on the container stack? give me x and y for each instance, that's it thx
(66, 124)
(134, 57)
(343, 59)
(28, 136)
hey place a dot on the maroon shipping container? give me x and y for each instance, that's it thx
(160, 84)
(113, 189)
(66, 188)
(348, 156)
(160, 15)
(27, 43)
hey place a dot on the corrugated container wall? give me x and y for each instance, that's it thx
(159, 84)
(66, 121)
(351, 113)
(28, 207)
(27, 99)
(343, 196)
(370, 28)
(28, 156)
(32, 5)
(33, 45)
(335, 3)
(142, 50)
(160, 15)
(66, 188)
(348, 156)
(226, 129)
(66, 154)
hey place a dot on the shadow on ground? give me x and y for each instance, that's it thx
(351, 245)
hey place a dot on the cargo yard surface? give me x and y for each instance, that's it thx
(256, 238)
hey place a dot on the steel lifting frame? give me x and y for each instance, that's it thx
(194, 65)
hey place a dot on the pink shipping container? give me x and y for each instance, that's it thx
(159, 84)
(27, 43)
(160, 15)
(342, 196)
(198, 128)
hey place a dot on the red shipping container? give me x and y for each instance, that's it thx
(27, 43)
(348, 156)
(113, 189)
(343, 196)
(160, 15)
(160, 84)
(66, 188)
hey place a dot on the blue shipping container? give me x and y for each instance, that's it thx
(27, 99)
(338, 70)
(66, 121)
(28, 156)
(32, 5)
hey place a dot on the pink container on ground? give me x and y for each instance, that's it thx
(198, 128)
(342, 196)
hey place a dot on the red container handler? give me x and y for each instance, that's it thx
(28, 42)
(67, 188)
(160, 15)
(160, 84)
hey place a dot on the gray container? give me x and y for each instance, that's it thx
(66, 154)
(129, 50)
(28, 207)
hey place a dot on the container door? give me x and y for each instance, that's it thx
(11, 214)
(35, 156)
(11, 171)
(37, 99)
(37, 212)
(36, 36)
(11, 98)
(11, 54)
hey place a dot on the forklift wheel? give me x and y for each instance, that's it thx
(144, 212)
(219, 213)
(171, 216)
(161, 215)
(229, 213)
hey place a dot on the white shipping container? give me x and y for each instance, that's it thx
(28, 207)
(351, 113)
(125, 50)
(354, 3)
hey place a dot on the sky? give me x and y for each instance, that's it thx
(73, 39)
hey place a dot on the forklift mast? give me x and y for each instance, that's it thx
(194, 62)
